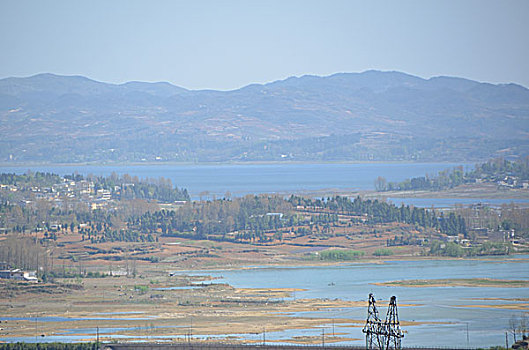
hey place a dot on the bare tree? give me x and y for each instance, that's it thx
(380, 183)
(523, 325)
(134, 270)
(22, 252)
(513, 326)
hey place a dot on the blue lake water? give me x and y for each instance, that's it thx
(242, 179)
(281, 178)
(444, 312)
(486, 325)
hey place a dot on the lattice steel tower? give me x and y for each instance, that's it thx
(393, 332)
(374, 327)
(382, 335)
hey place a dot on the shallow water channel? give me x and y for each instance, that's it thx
(445, 316)
(453, 316)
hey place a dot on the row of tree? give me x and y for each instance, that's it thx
(453, 249)
(49, 346)
(448, 178)
(493, 170)
(30, 179)
(23, 252)
(255, 217)
(375, 211)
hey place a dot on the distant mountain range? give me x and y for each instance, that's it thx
(347, 116)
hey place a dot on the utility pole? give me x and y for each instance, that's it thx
(323, 337)
(467, 335)
(97, 338)
(190, 331)
(37, 273)
(264, 336)
(506, 341)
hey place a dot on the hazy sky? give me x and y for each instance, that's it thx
(227, 44)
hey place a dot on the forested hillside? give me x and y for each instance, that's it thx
(348, 116)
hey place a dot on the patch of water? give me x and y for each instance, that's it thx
(242, 179)
(177, 288)
(429, 305)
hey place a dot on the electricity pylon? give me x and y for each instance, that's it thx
(382, 335)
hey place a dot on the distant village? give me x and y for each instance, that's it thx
(52, 197)
(64, 194)
(510, 182)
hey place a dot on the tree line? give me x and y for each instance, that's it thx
(453, 249)
(247, 218)
(30, 179)
(494, 170)
(255, 217)
(49, 346)
(376, 211)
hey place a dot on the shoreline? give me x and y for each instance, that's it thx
(457, 282)
(215, 311)
(478, 192)
(272, 162)
(366, 261)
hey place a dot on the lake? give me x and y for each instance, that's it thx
(442, 316)
(208, 181)
(242, 179)
(444, 313)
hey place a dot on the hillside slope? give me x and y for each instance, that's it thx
(346, 116)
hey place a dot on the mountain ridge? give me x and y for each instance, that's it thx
(333, 75)
(388, 116)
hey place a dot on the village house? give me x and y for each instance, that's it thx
(19, 275)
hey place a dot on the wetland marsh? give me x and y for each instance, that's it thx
(292, 304)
